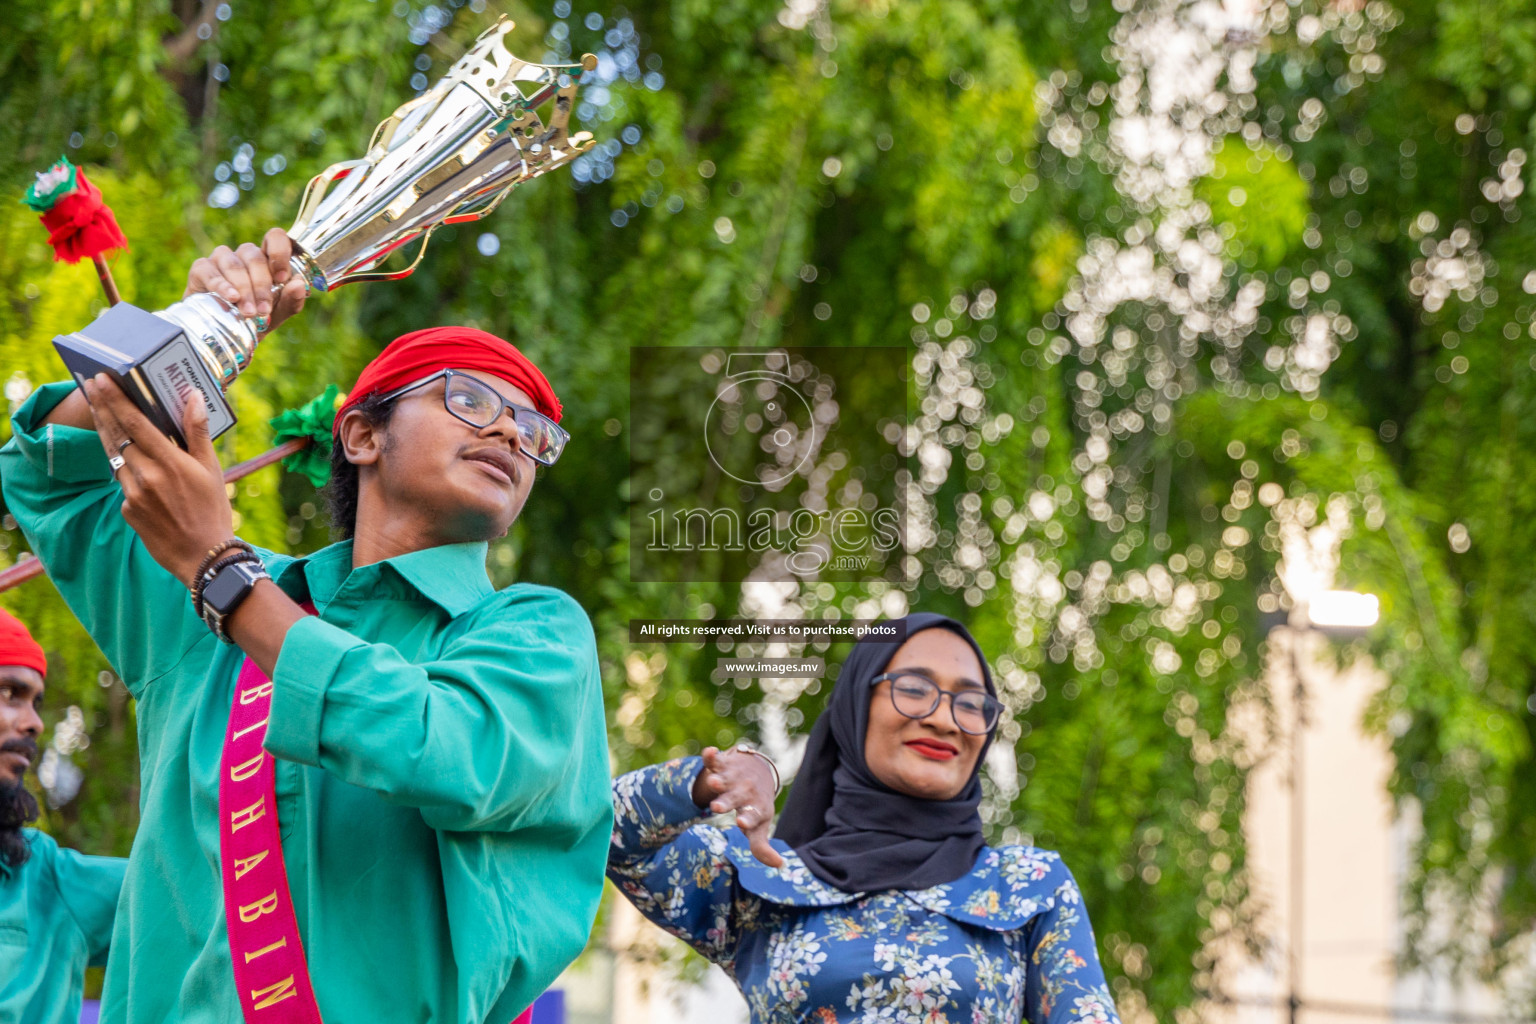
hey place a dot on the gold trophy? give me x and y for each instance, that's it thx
(448, 156)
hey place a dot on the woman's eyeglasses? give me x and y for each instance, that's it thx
(478, 404)
(917, 696)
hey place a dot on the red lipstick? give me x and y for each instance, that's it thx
(936, 750)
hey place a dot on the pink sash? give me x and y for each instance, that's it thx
(271, 975)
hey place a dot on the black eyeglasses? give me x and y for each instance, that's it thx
(917, 696)
(478, 404)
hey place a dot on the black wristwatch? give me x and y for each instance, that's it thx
(223, 594)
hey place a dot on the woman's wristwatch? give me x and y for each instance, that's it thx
(226, 588)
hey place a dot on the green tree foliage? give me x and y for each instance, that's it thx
(1180, 288)
(1265, 230)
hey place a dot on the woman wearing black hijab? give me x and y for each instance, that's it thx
(878, 899)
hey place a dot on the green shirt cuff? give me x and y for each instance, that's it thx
(312, 652)
(63, 453)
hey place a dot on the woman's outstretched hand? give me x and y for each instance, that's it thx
(733, 780)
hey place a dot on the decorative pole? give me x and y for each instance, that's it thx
(80, 224)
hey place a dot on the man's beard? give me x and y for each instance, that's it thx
(18, 807)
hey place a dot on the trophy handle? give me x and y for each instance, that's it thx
(384, 134)
(396, 275)
(470, 213)
(319, 185)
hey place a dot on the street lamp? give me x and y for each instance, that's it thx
(1342, 611)
(1340, 614)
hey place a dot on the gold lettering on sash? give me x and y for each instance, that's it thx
(250, 728)
(265, 905)
(244, 864)
(255, 693)
(241, 772)
(279, 944)
(239, 819)
(272, 994)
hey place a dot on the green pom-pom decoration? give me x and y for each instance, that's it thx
(313, 420)
(51, 185)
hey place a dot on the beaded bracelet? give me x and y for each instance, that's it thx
(777, 785)
(243, 553)
(215, 551)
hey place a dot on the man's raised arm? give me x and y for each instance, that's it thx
(61, 490)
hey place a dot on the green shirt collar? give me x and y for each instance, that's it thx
(452, 576)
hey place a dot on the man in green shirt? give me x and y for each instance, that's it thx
(439, 748)
(56, 905)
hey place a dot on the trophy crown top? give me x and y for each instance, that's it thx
(495, 72)
(447, 156)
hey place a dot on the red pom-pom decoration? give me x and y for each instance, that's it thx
(80, 225)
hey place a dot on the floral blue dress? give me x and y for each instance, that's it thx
(1008, 942)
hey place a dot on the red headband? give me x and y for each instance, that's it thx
(419, 354)
(17, 646)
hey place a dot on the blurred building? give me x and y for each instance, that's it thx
(1348, 850)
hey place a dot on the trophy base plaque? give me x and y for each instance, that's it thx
(154, 363)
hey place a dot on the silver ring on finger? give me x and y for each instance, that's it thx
(122, 445)
(116, 462)
(746, 808)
